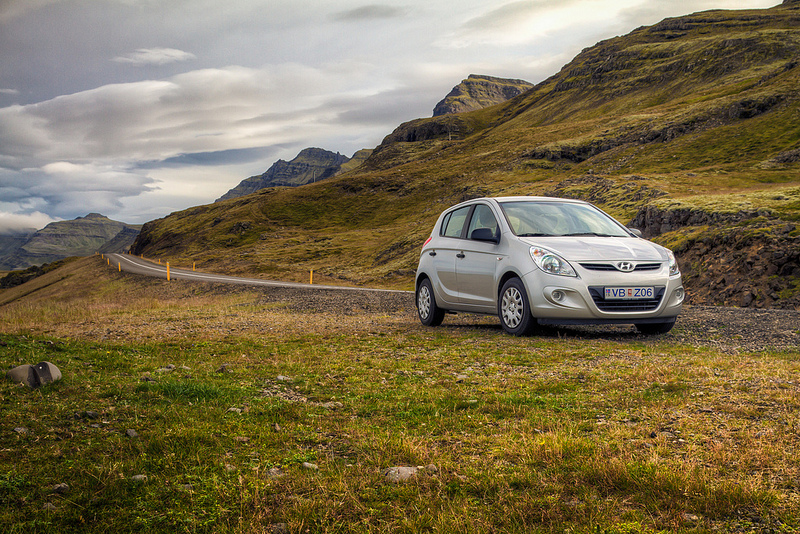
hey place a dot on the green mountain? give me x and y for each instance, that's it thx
(688, 128)
(478, 92)
(309, 166)
(79, 237)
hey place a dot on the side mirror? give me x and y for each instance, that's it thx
(635, 231)
(484, 234)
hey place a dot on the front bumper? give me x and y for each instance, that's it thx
(567, 300)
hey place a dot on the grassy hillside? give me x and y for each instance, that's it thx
(697, 114)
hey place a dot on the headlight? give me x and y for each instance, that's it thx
(551, 263)
(673, 264)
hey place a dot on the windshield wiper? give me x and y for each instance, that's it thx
(534, 235)
(588, 234)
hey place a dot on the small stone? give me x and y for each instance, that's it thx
(431, 469)
(235, 410)
(89, 414)
(282, 378)
(223, 368)
(22, 430)
(131, 433)
(332, 405)
(691, 518)
(241, 439)
(275, 472)
(35, 375)
(461, 378)
(399, 474)
(139, 478)
(60, 488)
(279, 528)
(308, 466)
(49, 507)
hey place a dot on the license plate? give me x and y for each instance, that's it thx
(629, 293)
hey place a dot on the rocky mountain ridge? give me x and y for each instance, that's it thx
(309, 166)
(478, 92)
(83, 236)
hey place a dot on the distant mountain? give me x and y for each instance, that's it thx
(478, 92)
(80, 237)
(358, 158)
(311, 165)
(13, 241)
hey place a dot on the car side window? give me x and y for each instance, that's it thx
(453, 224)
(482, 217)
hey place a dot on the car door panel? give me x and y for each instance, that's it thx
(477, 274)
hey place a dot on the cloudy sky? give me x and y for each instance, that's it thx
(138, 108)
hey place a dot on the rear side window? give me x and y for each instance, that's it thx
(453, 224)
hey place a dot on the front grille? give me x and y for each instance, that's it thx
(598, 266)
(612, 267)
(625, 305)
(648, 267)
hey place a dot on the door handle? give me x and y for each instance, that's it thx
(432, 253)
(461, 255)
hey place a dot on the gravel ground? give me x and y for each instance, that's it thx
(725, 329)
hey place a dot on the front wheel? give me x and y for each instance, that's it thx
(429, 313)
(514, 309)
(655, 328)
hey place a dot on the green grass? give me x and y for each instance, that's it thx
(527, 435)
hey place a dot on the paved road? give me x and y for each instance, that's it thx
(136, 265)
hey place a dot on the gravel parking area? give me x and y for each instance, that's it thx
(725, 329)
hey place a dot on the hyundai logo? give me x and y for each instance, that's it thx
(625, 266)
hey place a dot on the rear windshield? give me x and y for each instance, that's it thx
(530, 218)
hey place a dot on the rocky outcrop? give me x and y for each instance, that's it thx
(310, 165)
(653, 221)
(478, 92)
(747, 258)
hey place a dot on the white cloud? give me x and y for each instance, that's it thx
(13, 223)
(154, 56)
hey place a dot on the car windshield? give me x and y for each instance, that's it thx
(552, 218)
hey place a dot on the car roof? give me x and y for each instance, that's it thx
(500, 200)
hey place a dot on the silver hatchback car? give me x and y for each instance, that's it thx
(545, 261)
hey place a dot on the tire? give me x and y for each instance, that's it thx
(651, 329)
(514, 310)
(429, 313)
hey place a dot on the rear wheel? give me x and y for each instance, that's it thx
(514, 309)
(655, 328)
(429, 313)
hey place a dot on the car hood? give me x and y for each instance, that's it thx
(601, 248)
